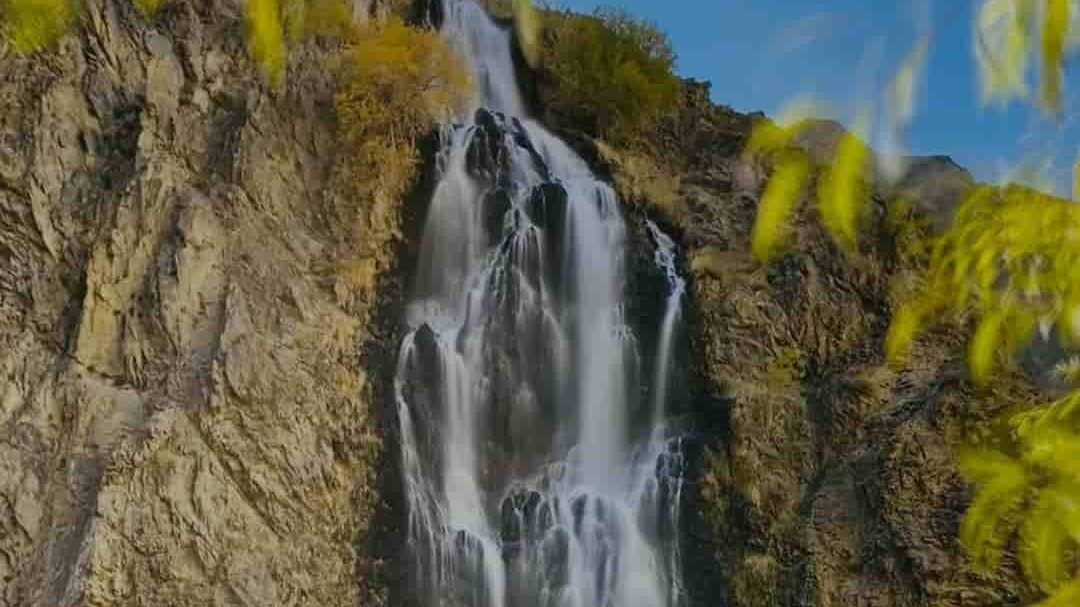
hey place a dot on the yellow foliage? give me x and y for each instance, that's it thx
(1067, 595)
(303, 18)
(1002, 483)
(1001, 35)
(29, 25)
(842, 193)
(901, 108)
(1012, 258)
(266, 38)
(902, 332)
(1055, 34)
(1031, 490)
(149, 7)
(398, 81)
(778, 202)
(1006, 33)
(984, 345)
(1045, 540)
(1010, 262)
(272, 25)
(903, 86)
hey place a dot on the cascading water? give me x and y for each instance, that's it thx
(534, 475)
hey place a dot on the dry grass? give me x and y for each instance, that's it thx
(396, 82)
(640, 179)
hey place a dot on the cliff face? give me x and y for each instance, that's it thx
(826, 478)
(187, 415)
(184, 416)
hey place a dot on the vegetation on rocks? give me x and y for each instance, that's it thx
(396, 82)
(1009, 264)
(612, 73)
(28, 25)
(1011, 261)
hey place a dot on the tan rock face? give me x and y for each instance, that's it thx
(184, 418)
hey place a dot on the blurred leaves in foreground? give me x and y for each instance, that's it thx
(842, 186)
(1011, 262)
(1009, 265)
(28, 25)
(1010, 34)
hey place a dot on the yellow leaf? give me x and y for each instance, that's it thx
(266, 38)
(1003, 484)
(771, 136)
(1054, 35)
(1066, 596)
(777, 204)
(1002, 35)
(984, 346)
(903, 87)
(1043, 543)
(842, 194)
(903, 330)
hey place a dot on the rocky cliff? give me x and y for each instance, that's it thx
(826, 477)
(190, 388)
(185, 418)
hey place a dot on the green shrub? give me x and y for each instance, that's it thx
(611, 72)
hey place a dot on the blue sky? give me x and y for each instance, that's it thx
(760, 54)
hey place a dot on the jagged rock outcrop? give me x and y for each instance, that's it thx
(184, 417)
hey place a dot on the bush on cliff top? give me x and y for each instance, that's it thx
(613, 74)
(396, 83)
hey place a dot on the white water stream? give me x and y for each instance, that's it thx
(533, 476)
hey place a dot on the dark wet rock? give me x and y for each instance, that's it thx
(497, 203)
(494, 138)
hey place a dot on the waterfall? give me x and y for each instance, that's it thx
(665, 260)
(534, 475)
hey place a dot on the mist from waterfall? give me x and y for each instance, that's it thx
(536, 473)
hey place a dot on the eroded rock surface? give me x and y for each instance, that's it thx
(184, 419)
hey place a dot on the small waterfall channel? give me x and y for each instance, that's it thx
(535, 472)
